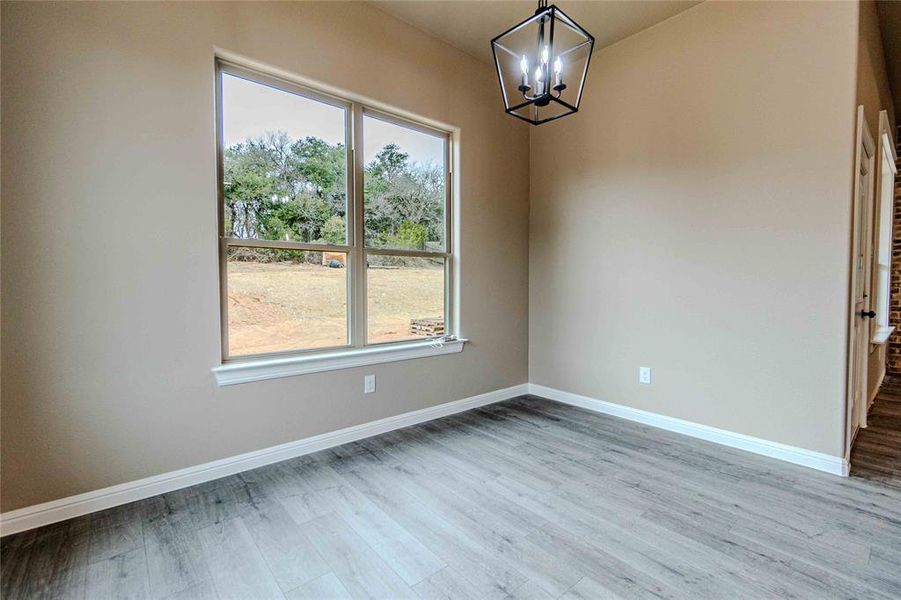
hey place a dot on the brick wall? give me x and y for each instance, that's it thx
(893, 357)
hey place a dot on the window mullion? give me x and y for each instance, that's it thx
(284, 245)
(358, 264)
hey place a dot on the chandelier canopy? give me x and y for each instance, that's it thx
(541, 64)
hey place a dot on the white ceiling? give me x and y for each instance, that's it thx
(470, 24)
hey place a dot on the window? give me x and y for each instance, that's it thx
(335, 221)
(880, 328)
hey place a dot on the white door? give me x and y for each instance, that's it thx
(861, 313)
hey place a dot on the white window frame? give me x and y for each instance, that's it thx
(358, 351)
(880, 327)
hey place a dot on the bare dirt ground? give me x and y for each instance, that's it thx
(287, 306)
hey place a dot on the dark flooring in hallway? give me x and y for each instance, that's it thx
(876, 454)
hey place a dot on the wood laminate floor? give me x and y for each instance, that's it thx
(524, 499)
(877, 450)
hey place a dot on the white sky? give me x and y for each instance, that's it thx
(251, 109)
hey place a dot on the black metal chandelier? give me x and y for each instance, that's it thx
(541, 64)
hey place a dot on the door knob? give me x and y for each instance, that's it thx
(868, 314)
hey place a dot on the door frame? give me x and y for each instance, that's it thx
(882, 236)
(864, 160)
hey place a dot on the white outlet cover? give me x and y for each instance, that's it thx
(368, 384)
(644, 375)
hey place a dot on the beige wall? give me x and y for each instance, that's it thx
(890, 24)
(874, 93)
(873, 90)
(112, 326)
(694, 217)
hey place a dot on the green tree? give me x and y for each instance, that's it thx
(276, 188)
(409, 235)
(279, 189)
(334, 231)
(398, 192)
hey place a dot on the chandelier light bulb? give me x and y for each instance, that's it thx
(558, 75)
(524, 65)
(545, 55)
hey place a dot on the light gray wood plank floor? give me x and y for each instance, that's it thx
(525, 499)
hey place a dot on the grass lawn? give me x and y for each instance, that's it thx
(287, 306)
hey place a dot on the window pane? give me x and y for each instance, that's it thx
(284, 165)
(404, 187)
(405, 298)
(886, 208)
(285, 300)
(883, 299)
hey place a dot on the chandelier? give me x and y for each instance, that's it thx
(541, 64)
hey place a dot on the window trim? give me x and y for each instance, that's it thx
(259, 369)
(879, 330)
(356, 251)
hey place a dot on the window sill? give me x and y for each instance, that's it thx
(272, 368)
(882, 334)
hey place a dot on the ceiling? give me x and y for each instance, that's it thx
(890, 24)
(470, 24)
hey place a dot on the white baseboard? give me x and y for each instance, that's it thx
(66, 508)
(74, 506)
(835, 465)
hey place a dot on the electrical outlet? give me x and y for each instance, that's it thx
(368, 384)
(644, 375)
